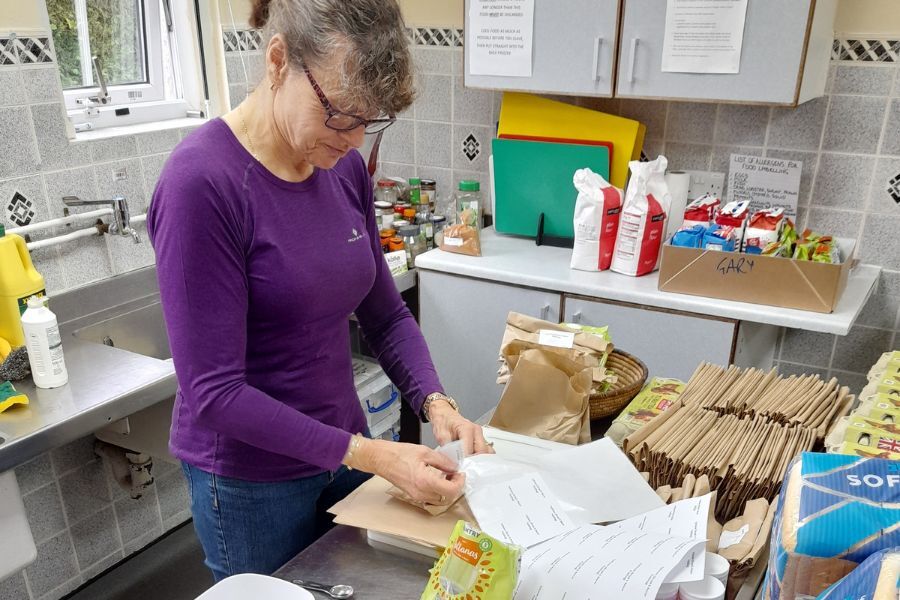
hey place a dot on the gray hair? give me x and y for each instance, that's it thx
(377, 72)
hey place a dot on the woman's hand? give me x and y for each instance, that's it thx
(425, 475)
(448, 426)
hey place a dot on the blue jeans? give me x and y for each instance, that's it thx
(251, 527)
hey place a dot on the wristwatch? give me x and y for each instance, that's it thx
(436, 396)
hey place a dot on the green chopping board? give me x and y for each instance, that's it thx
(532, 177)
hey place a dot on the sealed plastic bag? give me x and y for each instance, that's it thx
(643, 221)
(834, 508)
(474, 566)
(596, 221)
(877, 578)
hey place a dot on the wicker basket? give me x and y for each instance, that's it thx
(632, 373)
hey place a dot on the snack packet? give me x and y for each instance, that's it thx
(734, 214)
(701, 211)
(722, 238)
(763, 229)
(474, 566)
(689, 237)
(784, 247)
(656, 397)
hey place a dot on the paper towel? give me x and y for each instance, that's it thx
(678, 182)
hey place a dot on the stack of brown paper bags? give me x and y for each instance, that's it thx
(740, 428)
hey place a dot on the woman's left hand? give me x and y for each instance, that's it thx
(448, 426)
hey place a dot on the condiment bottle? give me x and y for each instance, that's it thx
(468, 203)
(415, 191)
(45, 352)
(429, 193)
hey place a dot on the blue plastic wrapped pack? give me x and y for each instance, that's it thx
(833, 506)
(877, 578)
(719, 237)
(689, 237)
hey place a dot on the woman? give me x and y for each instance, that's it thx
(264, 231)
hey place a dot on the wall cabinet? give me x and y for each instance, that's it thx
(574, 49)
(463, 321)
(784, 60)
(614, 47)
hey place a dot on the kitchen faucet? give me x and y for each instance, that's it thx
(121, 215)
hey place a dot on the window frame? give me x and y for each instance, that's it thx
(152, 90)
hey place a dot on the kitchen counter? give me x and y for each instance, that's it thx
(518, 261)
(105, 384)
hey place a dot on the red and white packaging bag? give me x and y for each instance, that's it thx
(643, 222)
(763, 228)
(701, 211)
(596, 221)
(735, 214)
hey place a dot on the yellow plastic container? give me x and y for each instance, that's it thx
(19, 280)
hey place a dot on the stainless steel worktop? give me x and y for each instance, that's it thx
(105, 384)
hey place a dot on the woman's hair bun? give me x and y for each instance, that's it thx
(259, 16)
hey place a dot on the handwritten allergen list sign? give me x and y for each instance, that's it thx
(765, 182)
(502, 35)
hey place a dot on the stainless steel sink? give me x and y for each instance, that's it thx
(141, 330)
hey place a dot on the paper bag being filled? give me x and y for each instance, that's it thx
(547, 397)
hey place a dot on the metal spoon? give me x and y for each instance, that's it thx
(334, 591)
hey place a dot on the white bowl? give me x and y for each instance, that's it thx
(249, 585)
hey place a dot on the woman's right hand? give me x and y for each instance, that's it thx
(424, 474)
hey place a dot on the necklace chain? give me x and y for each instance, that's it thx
(247, 134)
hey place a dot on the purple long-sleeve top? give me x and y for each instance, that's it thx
(258, 277)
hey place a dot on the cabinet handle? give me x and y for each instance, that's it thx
(545, 312)
(576, 318)
(598, 46)
(631, 59)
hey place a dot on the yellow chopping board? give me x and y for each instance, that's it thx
(530, 115)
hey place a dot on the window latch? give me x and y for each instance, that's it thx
(102, 98)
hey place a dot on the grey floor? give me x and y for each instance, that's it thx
(171, 569)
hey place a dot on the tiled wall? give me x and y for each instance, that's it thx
(39, 165)
(83, 522)
(848, 141)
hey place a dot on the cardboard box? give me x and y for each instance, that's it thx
(769, 280)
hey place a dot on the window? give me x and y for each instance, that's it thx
(118, 61)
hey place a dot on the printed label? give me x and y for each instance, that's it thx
(557, 339)
(730, 538)
(23, 301)
(467, 550)
(452, 241)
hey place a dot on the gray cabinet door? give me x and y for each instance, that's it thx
(573, 52)
(463, 321)
(670, 344)
(771, 58)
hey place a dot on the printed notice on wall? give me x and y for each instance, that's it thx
(704, 36)
(501, 35)
(765, 182)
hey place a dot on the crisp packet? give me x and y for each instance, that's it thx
(474, 566)
(763, 228)
(701, 211)
(689, 237)
(784, 247)
(734, 214)
(720, 238)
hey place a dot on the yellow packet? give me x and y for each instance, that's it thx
(474, 566)
(656, 397)
(867, 451)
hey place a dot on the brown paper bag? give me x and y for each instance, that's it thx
(743, 531)
(547, 397)
(432, 509)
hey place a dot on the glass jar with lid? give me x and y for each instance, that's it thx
(384, 214)
(386, 191)
(413, 242)
(469, 205)
(428, 194)
(438, 223)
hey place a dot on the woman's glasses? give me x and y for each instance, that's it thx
(339, 121)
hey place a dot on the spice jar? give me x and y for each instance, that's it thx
(428, 194)
(398, 223)
(395, 244)
(409, 215)
(469, 205)
(386, 191)
(386, 235)
(413, 242)
(384, 214)
(415, 191)
(438, 223)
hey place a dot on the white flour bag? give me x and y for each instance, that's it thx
(596, 221)
(643, 221)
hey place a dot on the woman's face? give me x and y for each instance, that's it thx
(300, 118)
